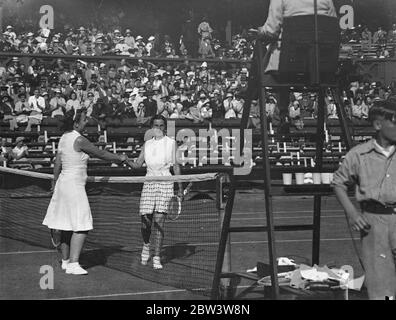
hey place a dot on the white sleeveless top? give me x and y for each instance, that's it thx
(159, 156)
(73, 162)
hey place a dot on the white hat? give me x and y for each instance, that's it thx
(116, 31)
(79, 82)
(176, 73)
(204, 65)
(102, 65)
(190, 74)
(30, 34)
(139, 38)
(128, 31)
(244, 70)
(229, 95)
(9, 27)
(152, 38)
(81, 29)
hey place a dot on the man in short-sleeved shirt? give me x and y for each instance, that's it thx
(371, 169)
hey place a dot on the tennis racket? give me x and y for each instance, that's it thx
(56, 238)
(175, 204)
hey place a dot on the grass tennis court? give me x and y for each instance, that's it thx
(20, 262)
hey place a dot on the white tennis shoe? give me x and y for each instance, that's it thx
(75, 268)
(157, 263)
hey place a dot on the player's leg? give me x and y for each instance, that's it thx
(159, 219)
(76, 244)
(65, 247)
(147, 220)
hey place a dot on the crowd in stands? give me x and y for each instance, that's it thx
(92, 41)
(363, 43)
(115, 93)
(359, 42)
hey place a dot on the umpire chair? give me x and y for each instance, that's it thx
(309, 55)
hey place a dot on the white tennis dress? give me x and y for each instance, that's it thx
(159, 157)
(69, 208)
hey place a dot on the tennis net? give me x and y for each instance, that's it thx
(189, 246)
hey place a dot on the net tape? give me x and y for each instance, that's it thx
(131, 179)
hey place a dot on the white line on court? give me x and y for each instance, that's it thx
(136, 293)
(26, 252)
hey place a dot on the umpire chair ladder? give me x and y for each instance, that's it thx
(308, 60)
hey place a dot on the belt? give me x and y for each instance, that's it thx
(377, 207)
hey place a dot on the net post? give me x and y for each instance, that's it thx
(226, 268)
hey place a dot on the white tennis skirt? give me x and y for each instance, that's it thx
(69, 208)
(155, 197)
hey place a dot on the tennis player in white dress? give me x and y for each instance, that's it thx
(159, 154)
(69, 209)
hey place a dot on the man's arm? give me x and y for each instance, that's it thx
(272, 26)
(344, 177)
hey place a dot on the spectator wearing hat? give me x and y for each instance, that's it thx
(7, 112)
(204, 29)
(150, 105)
(150, 47)
(22, 109)
(129, 39)
(228, 106)
(57, 105)
(20, 150)
(122, 47)
(127, 108)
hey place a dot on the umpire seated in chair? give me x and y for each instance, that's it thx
(290, 32)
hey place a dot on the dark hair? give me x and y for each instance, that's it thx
(158, 117)
(71, 117)
(382, 108)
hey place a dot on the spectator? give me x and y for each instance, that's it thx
(22, 109)
(20, 150)
(392, 34)
(205, 49)
(73, 102)
(359, 110)
(237, 105)
(255, 114)
(228, 106)
(332, 109)
(379, 36)
(150, 105)
(7, 112)
(204, 29)
(5, 152)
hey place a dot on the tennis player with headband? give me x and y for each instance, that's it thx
(371, 169)
(159, 154)
(69, 209)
